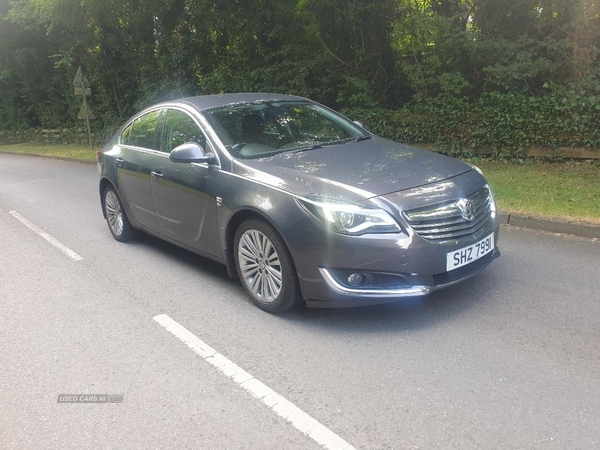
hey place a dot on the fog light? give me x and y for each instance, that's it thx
(356, 279)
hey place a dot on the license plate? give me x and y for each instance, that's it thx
(466, 255)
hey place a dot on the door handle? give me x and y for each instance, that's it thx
(157, 174)
(119, 162)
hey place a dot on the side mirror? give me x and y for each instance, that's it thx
(190, 152)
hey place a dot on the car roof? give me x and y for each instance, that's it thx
(204, 102)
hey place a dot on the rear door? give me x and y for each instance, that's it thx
(183, 193)
(139, 140)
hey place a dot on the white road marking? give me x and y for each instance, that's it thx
(63, 248)
(290, 412)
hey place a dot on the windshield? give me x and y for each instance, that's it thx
(254, 130)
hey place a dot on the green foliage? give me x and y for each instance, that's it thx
(461, 74)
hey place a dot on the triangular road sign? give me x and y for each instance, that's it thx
(81, 83)
(85, 112)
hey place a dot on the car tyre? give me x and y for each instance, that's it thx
(117, 220)
(265, 266)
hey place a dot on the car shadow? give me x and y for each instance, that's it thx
(182, 256)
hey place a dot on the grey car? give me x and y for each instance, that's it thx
(297, 201)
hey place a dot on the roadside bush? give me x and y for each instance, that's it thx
(501, 125)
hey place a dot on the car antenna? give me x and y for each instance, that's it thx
(180, 93)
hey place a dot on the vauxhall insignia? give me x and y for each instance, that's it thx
(321, 236)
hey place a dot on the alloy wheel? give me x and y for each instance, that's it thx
(114, 212)
(260, 266)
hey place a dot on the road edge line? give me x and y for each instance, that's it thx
(52, 241)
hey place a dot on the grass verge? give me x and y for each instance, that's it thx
(569, 190)
(70, 151)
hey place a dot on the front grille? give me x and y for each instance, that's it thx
(462, 272)
(387, 280)
(446, 221)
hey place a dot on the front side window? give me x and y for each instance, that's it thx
(260, 129)
(179, 129)
(143, 131)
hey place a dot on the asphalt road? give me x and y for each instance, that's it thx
(508, 360)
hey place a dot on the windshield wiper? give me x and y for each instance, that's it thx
(348, 140)
(307, 147)
(362, 138)
(327, 144)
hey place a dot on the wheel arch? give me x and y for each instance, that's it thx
(233, 224)
(102, 187)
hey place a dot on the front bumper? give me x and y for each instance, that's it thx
(361, 296)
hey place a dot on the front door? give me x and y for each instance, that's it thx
(183, 193)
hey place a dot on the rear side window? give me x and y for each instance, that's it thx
(143, 131)
(179, 129)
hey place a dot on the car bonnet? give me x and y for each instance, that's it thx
(356, 170)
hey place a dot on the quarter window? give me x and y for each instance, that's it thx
(125, 135)
(179, 129)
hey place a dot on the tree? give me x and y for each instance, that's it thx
(345, 53)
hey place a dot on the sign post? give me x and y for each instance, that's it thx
(81, 86)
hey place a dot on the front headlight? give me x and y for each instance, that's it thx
(474, 167)
(350, 219)
(493, 209)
